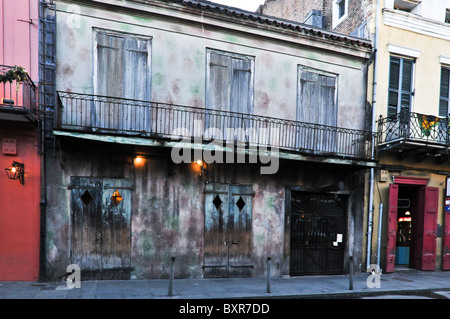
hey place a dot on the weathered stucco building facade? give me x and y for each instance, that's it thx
(138, 176)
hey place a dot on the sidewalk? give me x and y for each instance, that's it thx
(296, 287)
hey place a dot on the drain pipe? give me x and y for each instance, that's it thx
(374, 115)
(380, 220)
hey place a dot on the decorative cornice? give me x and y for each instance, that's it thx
(397, 49)
(415, 23)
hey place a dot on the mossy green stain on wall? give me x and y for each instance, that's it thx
(199, 59)
(159, 79)
(270, 201)
(273, 85)
(148, 247)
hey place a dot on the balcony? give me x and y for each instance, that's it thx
(17, 98)
(125, 117)
(416, 134)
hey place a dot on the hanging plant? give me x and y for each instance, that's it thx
(17, 73)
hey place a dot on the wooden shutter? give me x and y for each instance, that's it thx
(407, 73)
(400, 85)
(219, 82)
(136, 84)
(241, 86)
(316, 104)
(394, 79)
(110, 64)
(427, 228)
(445, 93)
(230, 89)
(391, 228)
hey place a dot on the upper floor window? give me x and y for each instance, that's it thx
(122, 70)
(400, 84)
(447, 16)
(121, 65)
(229, 82)
(444, 101)
(317, 104)
(317, 97)
(340, 11)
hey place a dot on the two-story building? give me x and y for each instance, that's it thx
(210, 134)
(409, 93)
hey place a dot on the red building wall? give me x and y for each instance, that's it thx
(19, 208)
(19, 204)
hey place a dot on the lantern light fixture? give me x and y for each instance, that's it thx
(203, 167)
(16, 171)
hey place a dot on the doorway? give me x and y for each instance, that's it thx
(318, 231)
(407, 211)
(228, 231)
(411, 226)
(101, 227)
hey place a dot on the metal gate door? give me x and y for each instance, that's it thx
(318, 234)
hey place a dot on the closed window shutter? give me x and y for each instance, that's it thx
(317, 102)
(219, 85)
(400, 85)
(394, 79)
(445, 92)
(110, 66)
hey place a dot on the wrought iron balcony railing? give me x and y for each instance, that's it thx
(407, 126)
(17, 95)
(101, 114)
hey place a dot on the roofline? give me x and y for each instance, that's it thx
(270, 20)
(350, 42)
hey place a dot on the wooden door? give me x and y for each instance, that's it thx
(101, 230)
(391, 228)
(228, 229)
(216, 217)
(239, 239)
(427, 229)
(86, 209)
(116, 229)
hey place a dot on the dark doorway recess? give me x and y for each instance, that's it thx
(317, 233)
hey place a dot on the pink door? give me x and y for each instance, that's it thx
(392, 228)
(426, 245)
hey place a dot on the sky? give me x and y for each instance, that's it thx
(250, 5)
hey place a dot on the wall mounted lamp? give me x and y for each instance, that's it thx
(203, 167)
(16, 171)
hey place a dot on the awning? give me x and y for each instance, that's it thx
(152, 142)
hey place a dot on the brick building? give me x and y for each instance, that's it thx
(349, 17)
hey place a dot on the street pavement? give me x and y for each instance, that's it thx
(401, 284)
